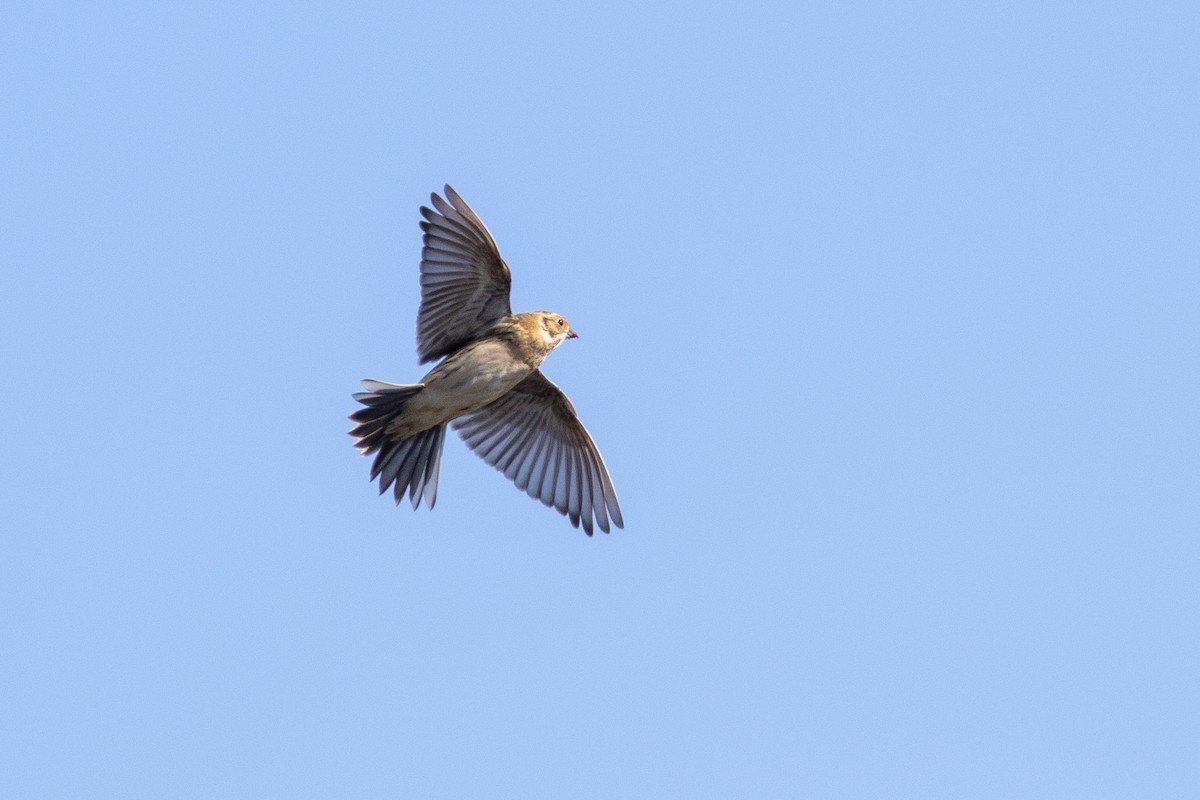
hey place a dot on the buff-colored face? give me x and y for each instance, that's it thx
(555, 329)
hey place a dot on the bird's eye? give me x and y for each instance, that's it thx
(560, 323)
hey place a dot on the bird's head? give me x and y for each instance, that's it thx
(554, 329)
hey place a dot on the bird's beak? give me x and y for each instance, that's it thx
(572, 335)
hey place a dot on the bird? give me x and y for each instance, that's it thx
(487, 384)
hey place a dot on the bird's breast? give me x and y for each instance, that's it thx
(473, 377)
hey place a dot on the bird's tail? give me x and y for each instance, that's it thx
(411, 463)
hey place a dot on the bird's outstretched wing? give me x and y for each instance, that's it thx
(533, 436)
(464, 282)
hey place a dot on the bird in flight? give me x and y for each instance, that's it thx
(487, 384)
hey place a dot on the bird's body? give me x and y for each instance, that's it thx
(474, 376)
(488, 384)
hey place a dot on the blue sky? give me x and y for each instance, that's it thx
(889, 337)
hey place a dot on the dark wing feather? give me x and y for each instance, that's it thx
(464, 282)
(534, 437)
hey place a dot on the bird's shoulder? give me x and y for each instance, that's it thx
(514, 337)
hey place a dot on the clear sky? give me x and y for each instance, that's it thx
(888, 334)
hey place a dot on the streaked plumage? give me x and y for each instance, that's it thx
(488, 384)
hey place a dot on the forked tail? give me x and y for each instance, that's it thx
(411, 463)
